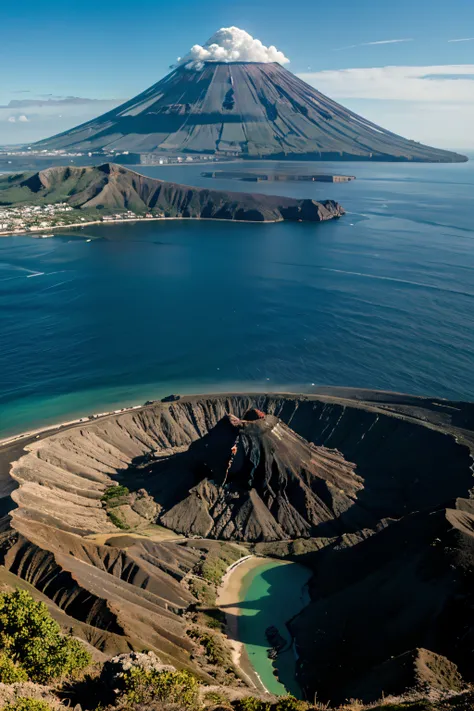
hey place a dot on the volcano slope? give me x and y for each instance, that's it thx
(370, 490)
(246, 109)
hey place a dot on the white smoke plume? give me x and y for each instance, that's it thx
(231, 44)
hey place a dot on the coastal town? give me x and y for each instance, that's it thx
(42, 218)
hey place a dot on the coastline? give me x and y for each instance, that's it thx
(228, 599)
(32, 233)
(68, 423)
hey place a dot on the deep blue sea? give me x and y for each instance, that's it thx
(383, 298)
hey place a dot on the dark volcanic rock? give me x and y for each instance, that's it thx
(246, 109)
(275, 639)
(253, 479)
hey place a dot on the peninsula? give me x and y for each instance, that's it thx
(69, 196)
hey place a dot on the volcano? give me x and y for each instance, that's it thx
(242, 109)
(254, 479)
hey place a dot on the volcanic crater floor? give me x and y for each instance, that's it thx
(125, 524)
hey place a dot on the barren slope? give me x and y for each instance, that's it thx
(248, 109)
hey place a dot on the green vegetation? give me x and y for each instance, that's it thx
(117, 521)
(33, 643)
(23, 703)
(9, 671)
(289, 703)
(205, 592)
(214, 649)
(216, 562)
(113, 497)
(214, 698)
(114, 492)
(175, 687)
(252, 703)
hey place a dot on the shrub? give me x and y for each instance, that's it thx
(117, 521)
(289, 703)
(31, 638)
(114, 492)
(205, 592)
(11, 672)
(174, 687)
(24, 703)
(251, 703)
(215, 651)
(215, 698)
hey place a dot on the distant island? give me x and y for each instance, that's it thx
(66, 196)
(255, 177)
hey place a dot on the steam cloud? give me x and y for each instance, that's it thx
(230, 44)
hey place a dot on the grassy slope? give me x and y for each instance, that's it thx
(113, 188)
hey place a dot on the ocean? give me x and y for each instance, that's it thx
(382, 298)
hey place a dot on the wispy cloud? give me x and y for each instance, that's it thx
(445, 83)
(432, 104)
(54, 101)
(371, 44)
(463, 39)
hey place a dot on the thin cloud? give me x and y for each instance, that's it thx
(372, 44)
(441, 84)
(463, 39)
(55, 101)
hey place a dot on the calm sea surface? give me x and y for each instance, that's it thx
(383, 298)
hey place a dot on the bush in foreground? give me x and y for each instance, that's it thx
(32, 642)
(11, 672)
(175, 687)
(24, 703)
(252, 703)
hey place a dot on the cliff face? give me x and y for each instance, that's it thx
(252, 110)
(117, 188)
(378, 485)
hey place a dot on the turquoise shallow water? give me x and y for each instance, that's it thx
(383, 298)
(271, 595)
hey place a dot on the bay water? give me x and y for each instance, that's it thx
(270, 596)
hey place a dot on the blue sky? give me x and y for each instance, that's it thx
(106, 51)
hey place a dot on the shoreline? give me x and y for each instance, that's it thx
(11, 439)
(229, 594)
(32, 233)
(330, 391)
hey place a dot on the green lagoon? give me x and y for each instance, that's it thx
(272, 594)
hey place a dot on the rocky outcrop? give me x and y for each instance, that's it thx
(418, 671)
(115, 188)
(132, 510)
(275, 640)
